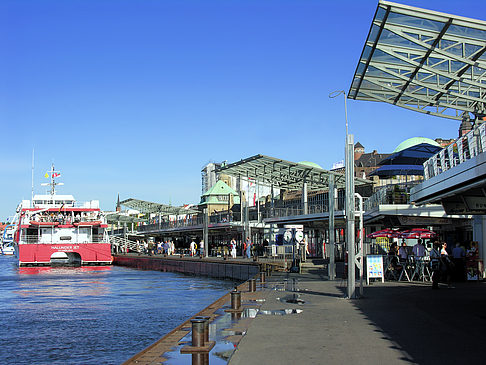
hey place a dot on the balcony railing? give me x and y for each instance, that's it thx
(390, 194)
(463, 149)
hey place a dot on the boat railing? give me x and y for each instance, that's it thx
(64, 219)
(59, 203)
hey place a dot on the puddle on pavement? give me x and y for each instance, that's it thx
(219, 330)
(293, 299)
(281, 312)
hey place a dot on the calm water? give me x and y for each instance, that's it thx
(92, 315)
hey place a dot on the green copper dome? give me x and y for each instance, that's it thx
(311, 164)
(413, 142)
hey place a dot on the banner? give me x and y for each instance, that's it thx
(426, 170)
(450, 152)
(460, 150)
(442, 160)
(436, 168)
(472, 144)
(482, 133)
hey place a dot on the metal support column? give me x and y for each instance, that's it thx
(332, 230)
(350, 231)
(206, 232)
(305, 207)
(360, 256)
(258, 201)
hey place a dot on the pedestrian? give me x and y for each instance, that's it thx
(458, 257)
(233, 248)
(193, 248)
(435, 265)
(248, 247)
(446, 265)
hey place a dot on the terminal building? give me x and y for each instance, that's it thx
(421, 60)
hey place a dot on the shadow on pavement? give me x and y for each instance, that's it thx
(445, 326)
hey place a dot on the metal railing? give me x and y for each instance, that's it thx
(94, 238)
(123, 245)
(390, 194)
(179, 223)
(462, 149)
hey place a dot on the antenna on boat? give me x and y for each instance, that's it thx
(52, 175)
(32, 176)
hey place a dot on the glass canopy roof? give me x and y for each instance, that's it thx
(149, 207)
(285, 174)
(430, 62)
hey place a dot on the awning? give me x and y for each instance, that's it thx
(115, 217)
(415, 155)
(423, 60)
(394, 170)
(285, 174)
(150, 207)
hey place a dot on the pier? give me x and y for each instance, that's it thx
(302, 319)
(221, 268)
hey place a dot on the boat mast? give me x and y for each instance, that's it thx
(32, 177)
(52, 175)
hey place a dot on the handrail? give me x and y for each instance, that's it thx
(462, 149)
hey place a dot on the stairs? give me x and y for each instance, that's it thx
(125, 245)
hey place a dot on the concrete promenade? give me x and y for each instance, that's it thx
(393, 323)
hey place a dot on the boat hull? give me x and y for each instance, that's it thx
(42, 254)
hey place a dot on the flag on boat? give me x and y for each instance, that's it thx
(56, 174)
(46, 175)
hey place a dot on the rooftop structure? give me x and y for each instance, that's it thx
(285, 174)
(423, 60)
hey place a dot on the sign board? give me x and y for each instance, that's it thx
(374, 268)
(293, 232)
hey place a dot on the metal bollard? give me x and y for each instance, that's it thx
(262, 277)
(251, 285)
(206, 327)
(235, 299)
(198, 332)
(200, 359)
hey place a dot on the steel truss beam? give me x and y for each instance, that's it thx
(423, 60)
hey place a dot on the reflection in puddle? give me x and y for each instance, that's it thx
(220, 330)
(294, 299)
(281, 312)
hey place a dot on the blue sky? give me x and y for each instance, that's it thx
(135, 96)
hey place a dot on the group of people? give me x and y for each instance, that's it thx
(65, 217)
(445, 264)
(157, 248)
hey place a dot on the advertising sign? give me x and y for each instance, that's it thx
(374, 268)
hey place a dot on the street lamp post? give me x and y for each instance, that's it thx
(349, 179)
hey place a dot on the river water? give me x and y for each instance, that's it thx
(100, 315)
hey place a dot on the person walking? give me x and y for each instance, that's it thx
(248, 247)
(435, 265)
(446, 265)
(233, 248)
(193, 248)
(459, 256)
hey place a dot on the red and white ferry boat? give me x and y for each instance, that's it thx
(55, 230)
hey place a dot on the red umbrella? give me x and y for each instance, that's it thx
(387, 232)
(417, 233)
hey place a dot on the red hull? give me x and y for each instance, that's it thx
(40, 254)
